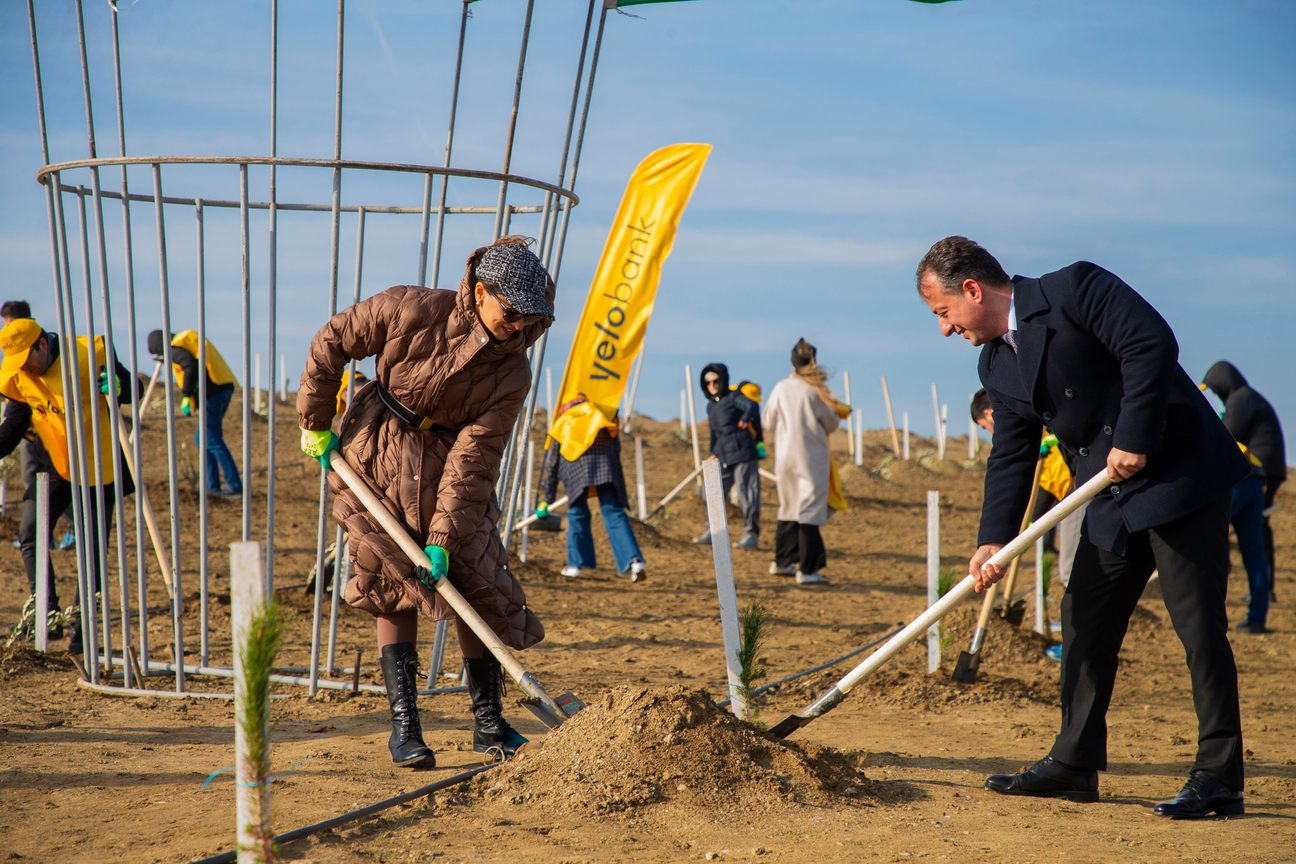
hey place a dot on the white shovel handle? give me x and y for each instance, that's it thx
(938, 610)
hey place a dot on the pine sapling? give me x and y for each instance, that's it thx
(753, 629)
(260, 646)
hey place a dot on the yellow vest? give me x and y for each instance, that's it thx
(44, 393)
(361, 380)
(1055, 476)
(217, 369)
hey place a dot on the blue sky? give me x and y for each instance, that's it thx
(1154, 138)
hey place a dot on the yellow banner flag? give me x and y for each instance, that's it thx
(620, 301)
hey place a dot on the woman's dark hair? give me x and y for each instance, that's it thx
(955, 259)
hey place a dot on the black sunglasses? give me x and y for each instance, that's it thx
(511, 315)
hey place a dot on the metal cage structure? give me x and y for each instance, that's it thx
(79, 185)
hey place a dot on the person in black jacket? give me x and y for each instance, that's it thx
(736, 441)
(1081, 352)
(1253, 422)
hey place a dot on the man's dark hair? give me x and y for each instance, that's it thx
(15, 309)
(980, 404)
(957, 258)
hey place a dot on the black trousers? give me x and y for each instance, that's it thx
(1192, 557)
(800, 545)
(1271, 491)
(60, 499)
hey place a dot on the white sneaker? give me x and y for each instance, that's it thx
(570, 572)
(638, 571)
(776, 570)
(810, 579)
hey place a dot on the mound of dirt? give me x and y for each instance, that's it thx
(637, 747)
(1006, 650)
(931, 692)
(21, 660)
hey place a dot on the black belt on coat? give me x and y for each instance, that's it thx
(423, 424)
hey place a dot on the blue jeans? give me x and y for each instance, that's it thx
(218, 454)
(1247, 518)
(580, 535)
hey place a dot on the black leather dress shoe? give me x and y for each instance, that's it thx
(1048, 778)
(1201, 796)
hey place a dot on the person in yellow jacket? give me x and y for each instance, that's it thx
(218, 390)
(31, 375)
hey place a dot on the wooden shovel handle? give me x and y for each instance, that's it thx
(416, 554)
(1025, 523)
(150, 519)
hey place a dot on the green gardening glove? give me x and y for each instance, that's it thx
(542, 512)
(186, 406)
(760, 449)
(1047, 444)
(318, 444)
(440, 561)
(104, 382)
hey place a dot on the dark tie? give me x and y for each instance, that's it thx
(1011, 338)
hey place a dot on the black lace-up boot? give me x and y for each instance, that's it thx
(400, 674)
(486, 686)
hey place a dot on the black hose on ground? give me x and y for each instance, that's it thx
(299, 833)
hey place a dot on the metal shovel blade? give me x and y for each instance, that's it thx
(568, 705)
(1016, 613)
(965, 670)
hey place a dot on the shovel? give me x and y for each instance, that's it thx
(551, 712)
(938, 610)
(969, 661)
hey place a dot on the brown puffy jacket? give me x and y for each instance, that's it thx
(437, 358)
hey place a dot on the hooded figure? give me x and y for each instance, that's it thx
(1254, 423)
(428, 434)
(736, 440)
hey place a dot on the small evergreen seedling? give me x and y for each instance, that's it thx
(260, 646)
(946, 580)
(753, 629)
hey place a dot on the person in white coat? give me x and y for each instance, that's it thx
(797, 418)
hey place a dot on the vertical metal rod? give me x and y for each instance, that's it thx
(859, 437)
(283, 378)
(128, 259)
(549, 396)
(933, 578)
(272, 290)
(641, 487)
(341, 558)
(1039, 585)
(692, 407)
(321, 540)
(427, 189)
(526, 497)
(438, 653)
(558, 201)
(256, 384)
(246, 401)
(203, 462)
(42, 561)
(517, 97)
(634, 389)
(96, 444)
(80, 473)
(177, 593)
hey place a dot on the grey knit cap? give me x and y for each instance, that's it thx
(520, 275)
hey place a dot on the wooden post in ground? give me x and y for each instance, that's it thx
(1039, 586)
(886, 394)
(247, 598)
(283, 378)
(933, 578)
(940, 452)
(697, 451)
(859, 437)
(725, 590)
(42, 561)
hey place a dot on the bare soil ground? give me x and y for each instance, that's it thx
(894, 774)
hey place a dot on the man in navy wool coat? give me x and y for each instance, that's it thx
(1081, 353)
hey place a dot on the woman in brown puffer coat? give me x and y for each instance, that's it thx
(428, 434)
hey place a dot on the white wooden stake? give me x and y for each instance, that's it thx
(697, 451)
(634, 389)
(850, 429)
(526, 502)
(886, 394)
(859, 437)
(906, 436)
(438, 653)
(933, 578)
(549, 396)
(1039, 585)
(639, 478)
(283, 378)
(42, 561)
(936, 412)
(247, 595)
(726, 593)
(256, 386)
